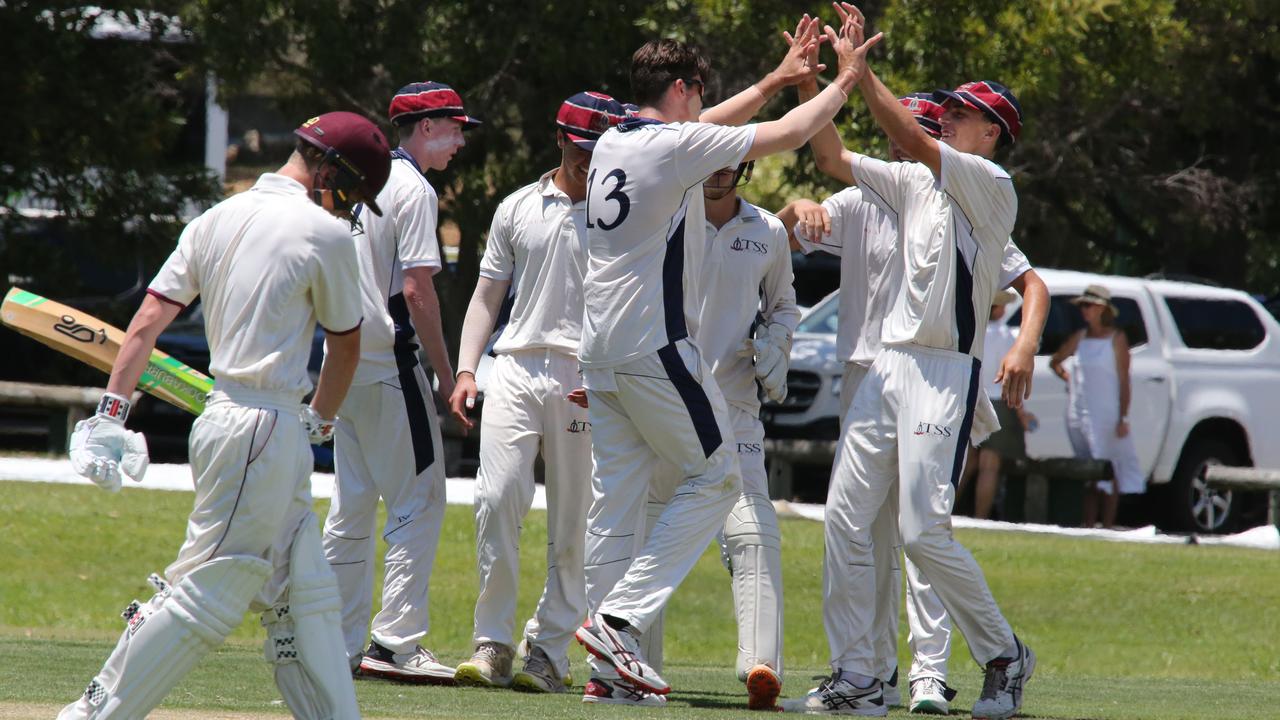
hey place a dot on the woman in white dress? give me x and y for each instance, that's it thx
(1098, 402)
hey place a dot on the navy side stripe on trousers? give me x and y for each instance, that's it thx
(424, 453)
(966, 425)
(694, 397)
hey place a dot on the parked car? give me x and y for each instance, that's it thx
(1205, 388)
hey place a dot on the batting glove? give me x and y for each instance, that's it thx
(319, 429)
(101, 449)
(772, 350)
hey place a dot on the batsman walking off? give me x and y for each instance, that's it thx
(269, 264)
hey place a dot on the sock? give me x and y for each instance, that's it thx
(858, 680)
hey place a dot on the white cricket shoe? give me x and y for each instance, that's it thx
(620, 649)
(840, 697)
(539, 674)
(489, 666)
(763, 688)
(931, 696)
(418, 666)
(1002, 688)
(620, 692)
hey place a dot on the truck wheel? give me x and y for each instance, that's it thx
(1191, 504)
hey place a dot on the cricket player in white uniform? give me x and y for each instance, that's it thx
(388, 442)
(651, 394)
(535, 249)
(865, 238)
(747, 291)
(916, 410)
(269, 264)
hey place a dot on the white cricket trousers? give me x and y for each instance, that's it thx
(525, 412)
(929, 627)
(910, 420)
(750, 546)
(252, 470)
(387, 445)
(663, 406)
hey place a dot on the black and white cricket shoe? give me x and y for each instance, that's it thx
(620, 692)
(620, 649)
(1003, 685)
(840, 697)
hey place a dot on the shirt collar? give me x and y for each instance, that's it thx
(275, 182)
(547, 186)
(747, 213)
(633, 123)
(403, 154)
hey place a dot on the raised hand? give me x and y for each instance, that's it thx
(800, 65)
(851, 49)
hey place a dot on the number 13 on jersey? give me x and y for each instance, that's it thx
(616, 196)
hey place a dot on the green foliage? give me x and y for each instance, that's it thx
(106, 130)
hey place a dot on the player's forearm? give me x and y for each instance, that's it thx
(899, 124)
(739, 109)
(802, 122)
(829, 152)
(1035, 309)
(342, 354)
(482, 313)
(139, 340)
(424, 311)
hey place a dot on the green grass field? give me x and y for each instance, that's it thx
(1122, 630)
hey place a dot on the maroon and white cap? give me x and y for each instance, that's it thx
(356, 145)
(429, 100)
(994, 100)
(587, 115)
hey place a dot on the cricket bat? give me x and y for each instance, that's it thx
(96, 343)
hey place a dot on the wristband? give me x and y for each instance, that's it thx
(114, 407)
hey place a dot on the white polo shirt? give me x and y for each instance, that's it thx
(268, 264)
(746, 271)
(952, 234)
(865, 239)
(535, 241)
(645, 233)
(403, 237)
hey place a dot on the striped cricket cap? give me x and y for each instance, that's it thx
(993, 99)
(429, 100)
(926, 110)
(585, 116)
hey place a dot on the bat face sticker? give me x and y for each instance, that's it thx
(81, 333)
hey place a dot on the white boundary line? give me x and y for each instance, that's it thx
(461, 491)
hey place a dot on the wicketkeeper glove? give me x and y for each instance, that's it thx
(319, 429)
(771, 349)
(101, 449)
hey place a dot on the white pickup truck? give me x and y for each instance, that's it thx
(1205, 378)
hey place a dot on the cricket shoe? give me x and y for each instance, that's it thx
(620, 692)
(419, 666)
(539, 674)
(931, 696)
(489, 666)
(1002, 688)
(892, 695)
(763, 688)
(620, 649)
(840, 697)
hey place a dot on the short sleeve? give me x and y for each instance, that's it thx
(983, 189)
(178, 282)
(335, 285)
(415, 223)
(1013, 265)
(499, 256)
(881, 182)
(703, 148)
